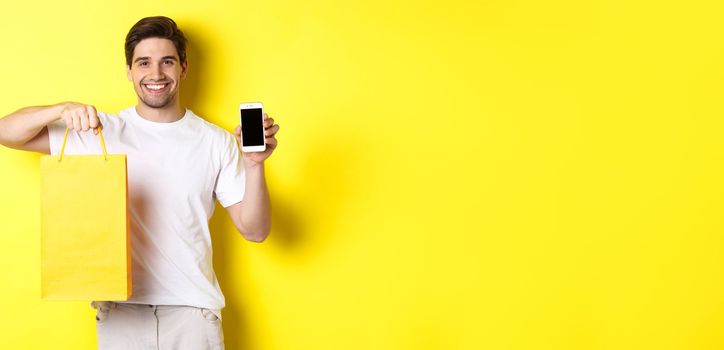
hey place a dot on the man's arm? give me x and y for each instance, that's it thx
(26, 129)
(252, 216)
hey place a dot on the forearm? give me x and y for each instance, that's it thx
(255, 216)
(21, 126)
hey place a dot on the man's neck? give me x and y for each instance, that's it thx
(168, 114)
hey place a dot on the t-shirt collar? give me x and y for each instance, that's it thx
(134, 114)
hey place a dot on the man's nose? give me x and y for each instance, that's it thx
(156, 72)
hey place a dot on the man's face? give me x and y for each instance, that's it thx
(156, 72)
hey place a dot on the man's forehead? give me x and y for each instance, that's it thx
(155, 48)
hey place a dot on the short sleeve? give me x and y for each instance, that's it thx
(56, 131)
(231, 182)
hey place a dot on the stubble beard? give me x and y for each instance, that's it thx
(157, 103)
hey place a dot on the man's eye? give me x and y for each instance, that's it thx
(169, 62)
(143, 64)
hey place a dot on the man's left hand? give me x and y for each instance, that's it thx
(270, 131)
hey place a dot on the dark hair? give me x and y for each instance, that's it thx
(155, 27)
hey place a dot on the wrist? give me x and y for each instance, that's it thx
(60, 108)
(251, 164)
(51, 113)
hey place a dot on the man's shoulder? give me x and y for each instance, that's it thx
(206, 126)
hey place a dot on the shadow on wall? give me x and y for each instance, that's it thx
(192, 88)
(298, 231)
(310, 220)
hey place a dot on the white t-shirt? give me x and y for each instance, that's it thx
(176, 171)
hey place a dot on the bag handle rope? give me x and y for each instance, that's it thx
(100, 134)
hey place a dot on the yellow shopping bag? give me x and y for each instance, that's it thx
(85, 245)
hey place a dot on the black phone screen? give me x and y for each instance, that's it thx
(252, 129)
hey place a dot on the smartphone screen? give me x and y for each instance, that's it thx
(252, 128)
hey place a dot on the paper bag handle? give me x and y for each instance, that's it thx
(100, 134)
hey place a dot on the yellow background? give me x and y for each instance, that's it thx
(450, 175)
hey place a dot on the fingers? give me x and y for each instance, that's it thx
(271, 131)
(93, 120)
(269, 127)
(271, 142)
(237, 133)
(84, 121)
(68, 119)
(76, 121)
(81, 117)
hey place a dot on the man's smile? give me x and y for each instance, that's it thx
(156, 88)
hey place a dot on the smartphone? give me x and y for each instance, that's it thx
(252, 127)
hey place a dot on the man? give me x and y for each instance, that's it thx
(178, 165)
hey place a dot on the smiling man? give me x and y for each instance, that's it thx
(178, 166)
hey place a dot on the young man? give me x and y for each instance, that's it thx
(178, 165)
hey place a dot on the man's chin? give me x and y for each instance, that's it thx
(154, 103)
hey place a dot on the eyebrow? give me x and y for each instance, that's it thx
(162, 58)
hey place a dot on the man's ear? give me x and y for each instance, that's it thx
(128, 73)
(184, 69)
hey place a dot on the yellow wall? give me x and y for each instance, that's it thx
(451, 175)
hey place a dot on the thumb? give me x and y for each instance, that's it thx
(237, 133)
(97, 128)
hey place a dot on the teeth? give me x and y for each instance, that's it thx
(156, 87)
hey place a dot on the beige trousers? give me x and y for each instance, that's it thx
(158, 327)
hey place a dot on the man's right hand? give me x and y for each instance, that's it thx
(80, 117)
